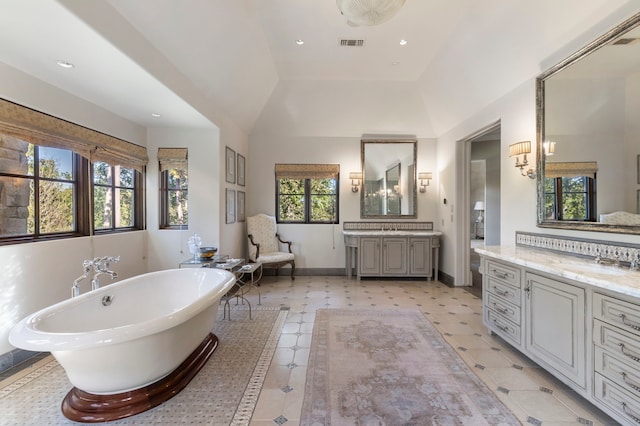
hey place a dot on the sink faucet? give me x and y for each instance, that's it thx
(101, 266)
(605, 261)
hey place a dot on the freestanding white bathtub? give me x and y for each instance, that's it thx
(130, 334)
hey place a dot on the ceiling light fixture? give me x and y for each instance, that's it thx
(403, 42)
(299, 42)
(155, 115)
(64, 64)
(368, 12)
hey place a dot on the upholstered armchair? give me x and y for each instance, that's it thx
(265, 244)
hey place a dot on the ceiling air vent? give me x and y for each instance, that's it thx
(624, 41)
(349, 42)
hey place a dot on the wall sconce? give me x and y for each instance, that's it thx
(522, 148)
(549, 148)
(479, 207)
(356, 178)
(422, 177)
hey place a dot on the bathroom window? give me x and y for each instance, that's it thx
(570, 198)
(46, 178)
(174, 188)
(114, 197)
(39, 190)
(307, 193)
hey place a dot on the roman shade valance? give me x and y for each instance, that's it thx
(45, 130)
(173, 158)
(307, 171)
(571, 169)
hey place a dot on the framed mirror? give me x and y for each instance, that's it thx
(588, 106)
(388, 179)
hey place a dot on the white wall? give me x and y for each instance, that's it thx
(206, 151)
(168, 247)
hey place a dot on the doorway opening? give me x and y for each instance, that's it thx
(479, 156)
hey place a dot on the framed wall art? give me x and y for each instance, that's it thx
(230, 196)
(240, 169)
(230, 165)
(240, 207)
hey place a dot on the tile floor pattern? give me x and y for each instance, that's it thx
(535, 397)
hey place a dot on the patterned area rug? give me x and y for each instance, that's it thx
(391, 367)
(224, 392)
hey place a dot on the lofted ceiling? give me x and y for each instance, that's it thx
(196, 62)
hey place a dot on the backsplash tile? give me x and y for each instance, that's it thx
(581, 247)
(376, 226)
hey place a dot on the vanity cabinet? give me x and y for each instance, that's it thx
(578, 328)
(616, 338)
(502, 300)
(383, 256)
(392, 255)
(369, 256)
(420, 256)
(555, 326)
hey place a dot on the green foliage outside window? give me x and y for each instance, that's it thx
(54, 207)
(307, 200)
(113, 196)
(568, 198)
(177, 185)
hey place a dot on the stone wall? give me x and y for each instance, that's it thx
(14, 193)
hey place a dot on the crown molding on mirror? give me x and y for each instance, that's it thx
(601, 187)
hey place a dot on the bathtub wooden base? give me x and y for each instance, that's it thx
(81, 406)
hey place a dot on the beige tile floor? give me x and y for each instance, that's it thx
(531, 394)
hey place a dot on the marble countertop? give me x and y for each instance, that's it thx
(617, 279)
(389, 233)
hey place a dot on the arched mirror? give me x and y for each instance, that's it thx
(389, 179)
(588, 150)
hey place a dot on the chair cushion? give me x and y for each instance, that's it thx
(275, 257)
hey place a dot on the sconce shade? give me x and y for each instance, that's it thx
(549, 148)
(520, 148)
(479, 206)
(422, 177)
(355, 175)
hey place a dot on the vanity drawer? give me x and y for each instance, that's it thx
(503, 308)
(621, 344)
(625, 405)
(620, 313)
(506, 292)
(507, 274)
(502, 326)
(617, 370)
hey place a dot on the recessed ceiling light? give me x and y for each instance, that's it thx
(395, 63)
(299, 42)
(65, 64)
(403, 42)
(155, 114)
